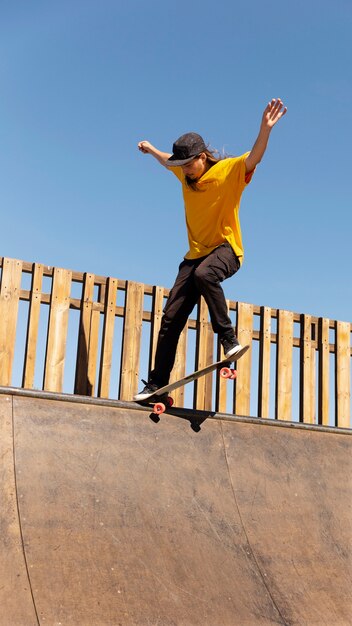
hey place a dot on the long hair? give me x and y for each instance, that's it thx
(213, 156)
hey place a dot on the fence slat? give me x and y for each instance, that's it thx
(307, 373)
(222, 385)
(313, 383)
(179, 369)
(132, 334)
(284, 366)
(9, 298)
(243, 366)
(57, 333)
(93, 348)
(33, 326)
(156, 315)
(84, 385)
(264, 363)
(108, 338)
(343, 374)
(324, 372)
(204, 356)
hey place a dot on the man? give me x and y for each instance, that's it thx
(212, 189)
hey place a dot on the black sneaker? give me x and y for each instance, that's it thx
(148, 391)
(231, 347)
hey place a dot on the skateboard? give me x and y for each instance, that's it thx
(166, 401)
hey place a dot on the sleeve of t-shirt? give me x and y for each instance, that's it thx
(177, 171)
(237, 171)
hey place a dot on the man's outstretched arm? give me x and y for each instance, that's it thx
(147, 148)
(273, 112)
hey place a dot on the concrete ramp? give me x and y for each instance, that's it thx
(109, 519)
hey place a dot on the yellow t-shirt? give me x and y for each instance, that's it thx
(212, 213)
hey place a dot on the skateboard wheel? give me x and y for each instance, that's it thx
(158, 408)
(225, 372)
(233, 374)
(170, 401)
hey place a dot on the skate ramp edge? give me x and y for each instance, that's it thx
(108, 518)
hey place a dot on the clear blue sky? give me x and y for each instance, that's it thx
(83, 81)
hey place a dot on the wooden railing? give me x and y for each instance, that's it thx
(75, 332)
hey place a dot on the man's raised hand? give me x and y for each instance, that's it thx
(273, 112)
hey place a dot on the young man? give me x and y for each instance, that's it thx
(212, 189)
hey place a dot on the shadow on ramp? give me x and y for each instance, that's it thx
(195, 419)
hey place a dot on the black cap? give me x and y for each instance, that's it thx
(185, 149)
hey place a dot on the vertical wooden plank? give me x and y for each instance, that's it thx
(313, 385)
(343, 374)
(107, 338)
(131, 343)
(179, 369)
(264, 362)
(33, 327)
(222, 385)
(324, 372)
(284, 366)
(95, 321)
(204, 357)
(243, 366)
(9, 298)
(307, 373)
(93, 348)
(84, 385)
(57, 333)
(156, 316)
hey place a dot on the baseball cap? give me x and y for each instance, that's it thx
(185, 149)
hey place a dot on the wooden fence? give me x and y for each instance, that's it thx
(75, 332)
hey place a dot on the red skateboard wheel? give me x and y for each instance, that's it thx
(225, 372)
(158, 408)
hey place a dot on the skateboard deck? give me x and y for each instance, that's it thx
(225, 372)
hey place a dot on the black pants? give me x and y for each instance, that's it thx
(196, 277)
